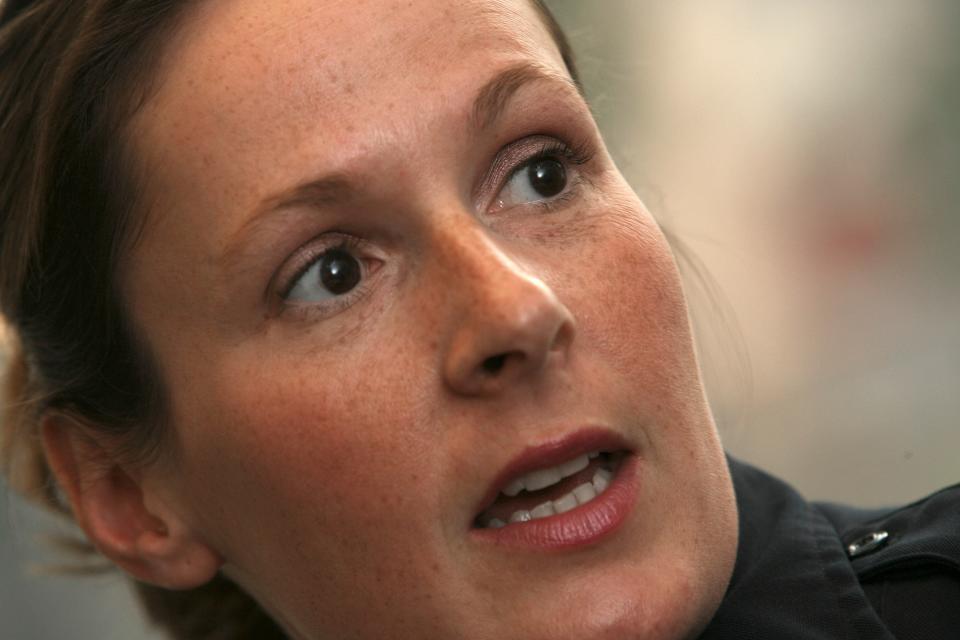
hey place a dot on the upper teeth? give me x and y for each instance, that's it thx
(580, 495)
(543, 478)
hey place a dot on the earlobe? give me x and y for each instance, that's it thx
(152, 544)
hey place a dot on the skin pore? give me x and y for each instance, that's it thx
(330, 448)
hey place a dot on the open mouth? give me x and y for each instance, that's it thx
(551, 491)
(563, 494)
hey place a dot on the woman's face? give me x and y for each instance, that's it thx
(390, 269)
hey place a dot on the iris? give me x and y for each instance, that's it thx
(547, 177)
(339, 271)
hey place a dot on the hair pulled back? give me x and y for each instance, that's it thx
(72, 74)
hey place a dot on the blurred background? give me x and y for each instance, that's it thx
(806, 158)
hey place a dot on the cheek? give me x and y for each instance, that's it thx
(304, 469)
(309, 441)
(629, 304)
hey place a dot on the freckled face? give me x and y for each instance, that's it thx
(387, 254)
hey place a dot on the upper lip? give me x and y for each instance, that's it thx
(552, 453)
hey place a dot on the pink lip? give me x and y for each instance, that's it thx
(583, 525)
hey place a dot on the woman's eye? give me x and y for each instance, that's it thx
(334, 273)
(541, 178)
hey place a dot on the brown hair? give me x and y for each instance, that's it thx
(72, 74)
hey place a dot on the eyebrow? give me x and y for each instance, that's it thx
(493, 97)
(491, 100)
(329, 189)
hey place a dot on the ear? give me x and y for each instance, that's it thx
(152, 544)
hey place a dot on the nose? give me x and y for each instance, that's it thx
(509, 324)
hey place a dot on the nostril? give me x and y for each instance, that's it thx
(494, 364)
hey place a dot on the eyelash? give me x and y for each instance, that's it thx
(577, 153)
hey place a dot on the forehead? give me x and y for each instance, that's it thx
(245, 76)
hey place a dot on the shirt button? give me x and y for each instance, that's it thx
(868, 544)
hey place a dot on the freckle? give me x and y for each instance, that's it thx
(436, 568)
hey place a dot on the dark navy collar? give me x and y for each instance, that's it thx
(792, 579)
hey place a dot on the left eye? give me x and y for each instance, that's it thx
(541, 178)
(335, 273)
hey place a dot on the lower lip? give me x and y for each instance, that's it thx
(583, 526)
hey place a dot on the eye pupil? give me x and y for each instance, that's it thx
(547, 177)
(339, 271)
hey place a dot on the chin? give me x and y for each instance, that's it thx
(657, 601)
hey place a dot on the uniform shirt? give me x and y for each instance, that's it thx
(816, 571)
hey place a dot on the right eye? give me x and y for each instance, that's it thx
(333, 273)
